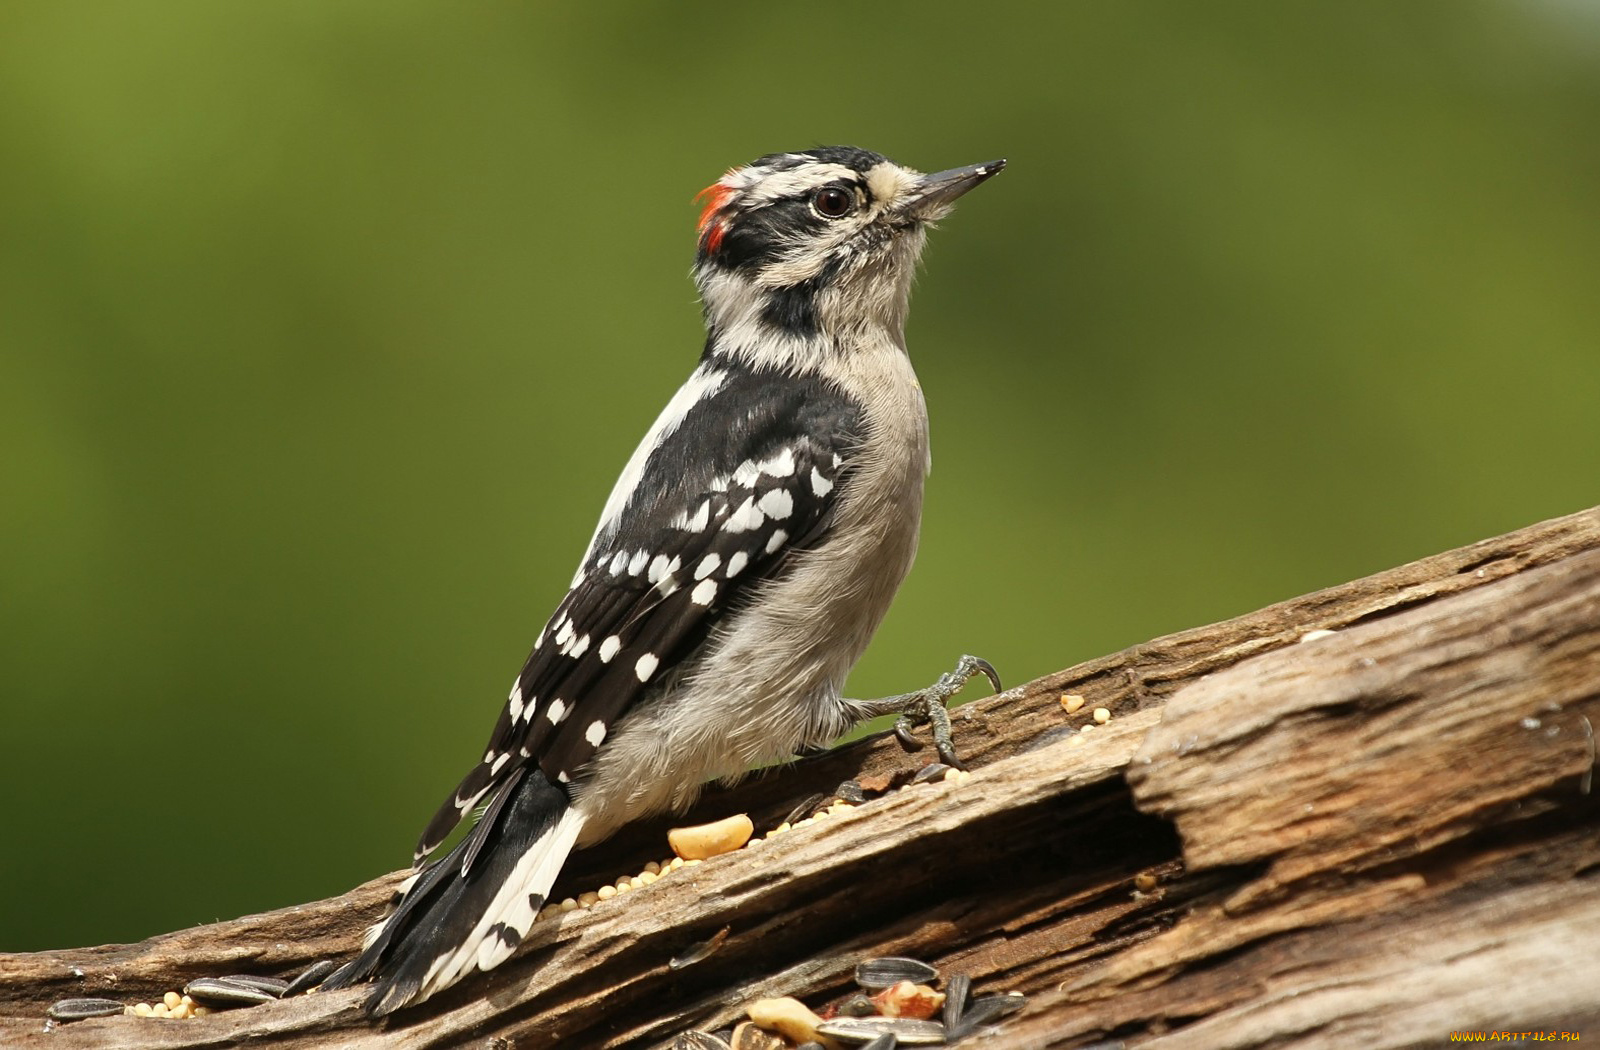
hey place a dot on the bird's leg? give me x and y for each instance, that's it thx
(927, 707)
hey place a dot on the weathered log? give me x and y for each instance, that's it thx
(1374, 838)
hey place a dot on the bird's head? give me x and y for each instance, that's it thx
(821, 242)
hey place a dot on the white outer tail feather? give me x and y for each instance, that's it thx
(535, 873)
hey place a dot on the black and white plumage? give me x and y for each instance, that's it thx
(744, 558)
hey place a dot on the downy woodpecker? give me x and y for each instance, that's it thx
(741, 564)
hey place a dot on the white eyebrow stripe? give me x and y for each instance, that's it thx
(797, 181)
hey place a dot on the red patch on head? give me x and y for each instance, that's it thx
(711, 226)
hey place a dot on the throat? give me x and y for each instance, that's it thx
(807, 322)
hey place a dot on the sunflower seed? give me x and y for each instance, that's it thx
(699, 952)
(886, 1041)
(747, 1036)
(699, 1041)
(310, 977)
(851, 792)
(805, 809)
(931, 771)
(891, 970)
(79, 1009)
(228, 990)
(987, 1010)
(863, 1030)
(272, 985)
(956, 992)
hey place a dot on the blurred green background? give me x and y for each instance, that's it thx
(325, 327)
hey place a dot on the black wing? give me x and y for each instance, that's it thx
(750, 474)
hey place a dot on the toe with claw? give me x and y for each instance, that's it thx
(927, 707)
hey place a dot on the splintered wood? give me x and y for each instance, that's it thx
(1379, 837)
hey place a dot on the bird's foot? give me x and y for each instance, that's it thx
(927, 707)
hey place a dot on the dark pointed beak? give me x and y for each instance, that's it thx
(939, 191)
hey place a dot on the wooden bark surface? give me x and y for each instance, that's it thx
(1375, 838)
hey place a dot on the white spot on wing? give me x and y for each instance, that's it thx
(781, 465)
(778, 539)
(707, 566)
(704, 593)
(514, 705)
(646, 666)
(658, 568)
(595, 733)
(747, 473)
(556, 711)
(819, 484)
(777, 504)
(701, 519)
(736, 563)
(619, 560)
(744, 519)
(638, 562)
(608, 648)
(579, 647)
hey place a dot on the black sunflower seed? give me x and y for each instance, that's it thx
(81, 1009)
(310, 977)
(699, 1041)
(891, 970)
(229, 990)
(987, 1010)
(805, 809)
(956, 992)
(851, 792)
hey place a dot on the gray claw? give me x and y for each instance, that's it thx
(988, 672)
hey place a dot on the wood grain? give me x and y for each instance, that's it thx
(1372, 839)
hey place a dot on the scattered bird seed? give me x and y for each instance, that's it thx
(1144, 881)
(1071, 703)
(699, 1041)
(310, 977)
(82, 1009)
(747, 1035)
(851, 792)
(1050, 736)
(275, 985)
(987, 1010)
(699, 952)
(931, 771)
(905, 999)
(859, 1006)
(957, 991)
(805, 809)
(787, 1016)
(892, 969)
(1102, 715)
(711, 840)
(861, 1031)
(230, 990)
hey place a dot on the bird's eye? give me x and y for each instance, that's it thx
(831, 202)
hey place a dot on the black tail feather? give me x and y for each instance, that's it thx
(443, 915)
